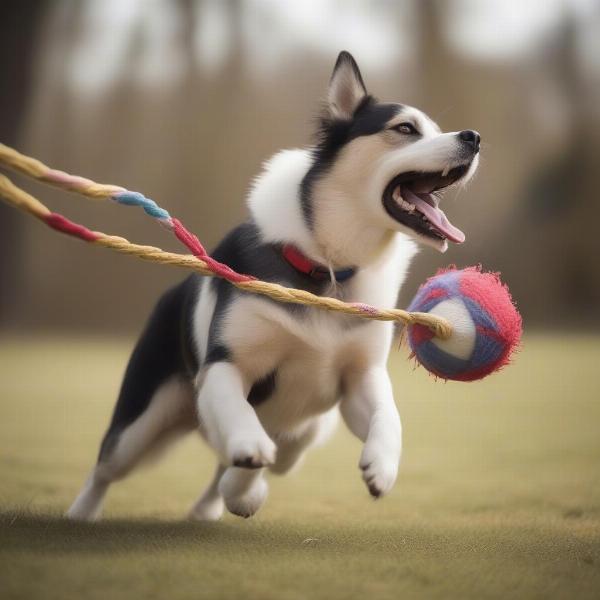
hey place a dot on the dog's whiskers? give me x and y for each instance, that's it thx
(459, 188)
(334, 282)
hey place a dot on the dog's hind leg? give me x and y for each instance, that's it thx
(168, 416)
(291, 448)
(243, 491)
(209, 507)
(156, 399)
(88, 504)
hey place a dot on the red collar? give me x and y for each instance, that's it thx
(313, 269)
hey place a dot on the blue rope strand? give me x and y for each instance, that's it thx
(136, 199)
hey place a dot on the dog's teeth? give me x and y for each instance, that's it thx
(403, 204)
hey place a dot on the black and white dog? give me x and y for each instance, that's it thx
(264, 381)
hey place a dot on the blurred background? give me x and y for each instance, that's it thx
(183, 100)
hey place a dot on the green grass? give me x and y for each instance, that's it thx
(498, 496)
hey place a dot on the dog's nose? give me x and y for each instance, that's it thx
(470, 137)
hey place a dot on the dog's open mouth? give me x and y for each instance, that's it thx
(412, 199)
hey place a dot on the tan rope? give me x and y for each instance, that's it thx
(24, 201)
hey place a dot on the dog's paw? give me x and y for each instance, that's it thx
(378, 472)
(251, 453)
(241, 500)
(207, 510)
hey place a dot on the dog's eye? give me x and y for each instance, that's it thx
(406, 128)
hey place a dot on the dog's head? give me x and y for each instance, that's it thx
(391, 161)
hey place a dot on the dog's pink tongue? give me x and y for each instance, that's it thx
(435, 216)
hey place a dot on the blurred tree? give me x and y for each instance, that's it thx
(20, 27)
(559, 201)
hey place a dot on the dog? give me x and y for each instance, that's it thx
(263, 381)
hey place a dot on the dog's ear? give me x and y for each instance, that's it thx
(346, 87)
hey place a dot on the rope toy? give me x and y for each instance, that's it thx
(436, 325)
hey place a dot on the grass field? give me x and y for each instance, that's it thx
(498, 496)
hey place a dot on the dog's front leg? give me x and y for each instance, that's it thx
(229, 422)
(369, 410)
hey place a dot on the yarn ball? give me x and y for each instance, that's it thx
(486, 326)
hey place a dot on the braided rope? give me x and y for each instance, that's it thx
(199, 261)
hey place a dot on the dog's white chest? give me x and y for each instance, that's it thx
(309, 356)
(308, 383)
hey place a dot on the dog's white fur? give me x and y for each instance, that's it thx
(325, 366)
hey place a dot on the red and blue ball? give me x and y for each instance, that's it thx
(486, 326)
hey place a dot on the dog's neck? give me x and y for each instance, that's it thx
(338, 237)
(344, 234)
